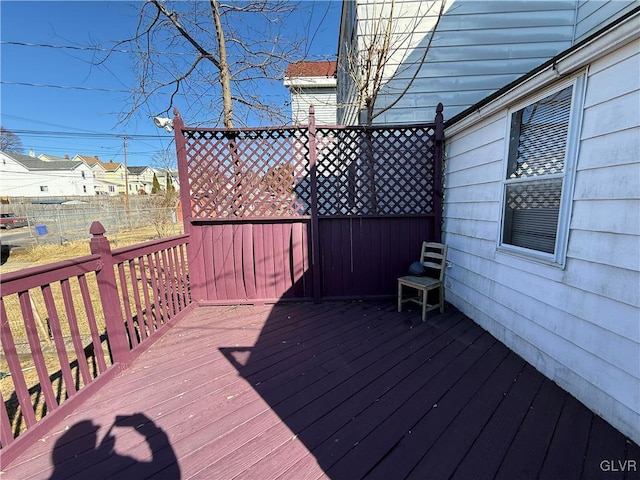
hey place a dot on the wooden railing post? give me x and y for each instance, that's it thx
(183, 174)
(438, 170)
(313, 184)
(108, 289)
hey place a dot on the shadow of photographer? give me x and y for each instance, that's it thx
(79, 450)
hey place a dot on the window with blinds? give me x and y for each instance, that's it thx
(535, 172)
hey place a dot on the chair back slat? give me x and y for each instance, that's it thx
(433, 256)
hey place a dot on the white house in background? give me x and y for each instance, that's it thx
(26, 176)
(312, 83)
(542, 219)
(140, 180)
(478, 48)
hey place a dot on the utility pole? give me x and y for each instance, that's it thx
(126, 175)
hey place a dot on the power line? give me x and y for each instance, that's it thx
(65, 87)
(86, 49)
(85, 135)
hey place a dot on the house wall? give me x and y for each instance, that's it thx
(323, 101)
(347, 112)
(18, 181)
(142, 181)
(592, 14)
(579, 325)
(478, 48)
(115, 177)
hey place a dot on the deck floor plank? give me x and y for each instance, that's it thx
(328, 391)
(485, 456)
(528, 450)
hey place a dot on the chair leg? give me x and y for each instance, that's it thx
(424, 304)
(441, 298)
(399, 296)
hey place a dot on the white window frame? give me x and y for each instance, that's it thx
(558, 258)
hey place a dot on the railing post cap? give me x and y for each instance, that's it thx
(97, 229)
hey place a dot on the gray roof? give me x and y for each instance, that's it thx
(136, 170)
(31, 163)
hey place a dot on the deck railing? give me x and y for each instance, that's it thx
(68, 326)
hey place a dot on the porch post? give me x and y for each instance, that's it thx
(109, 297)
(197, 280)
(313, 184)
(183, 174)
(437, 177)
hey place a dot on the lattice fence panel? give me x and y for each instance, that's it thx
(252, 173)
(376, 171)
(265, 172)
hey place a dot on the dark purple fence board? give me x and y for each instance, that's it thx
(364, 256)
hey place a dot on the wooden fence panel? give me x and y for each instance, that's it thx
(306, 212)
(253, 261)
(362, 257)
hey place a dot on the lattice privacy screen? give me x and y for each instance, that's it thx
(375, 171)
(247, 173)
(266, 172)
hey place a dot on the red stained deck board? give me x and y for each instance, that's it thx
(351, 372)
(606, 445)
(348, 395)
(476, 407)
(429, 400)
(486, 454)
(569, 444)
(527, 452)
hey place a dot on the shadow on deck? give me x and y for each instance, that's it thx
(335, 390)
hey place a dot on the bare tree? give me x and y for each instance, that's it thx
(210, 51)
(9, 141)
(385, 37)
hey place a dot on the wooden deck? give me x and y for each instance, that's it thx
(334, 390)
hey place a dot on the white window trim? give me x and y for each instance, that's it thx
(559, 257)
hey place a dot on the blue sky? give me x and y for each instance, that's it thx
(60, 103)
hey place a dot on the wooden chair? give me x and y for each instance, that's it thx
(433, 257)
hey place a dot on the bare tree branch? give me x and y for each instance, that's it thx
(384, 43)
(243, 43)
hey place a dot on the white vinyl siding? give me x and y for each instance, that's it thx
(593, 14)
(478, 48)
(323, 101)
(579, 325)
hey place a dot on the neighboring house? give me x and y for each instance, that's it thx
(52, 158)
(102, 186)
(541, 216)
(312, 83)
(478, 47)
(108, 174)
(26, 176)
(162, 174)
(140, 180)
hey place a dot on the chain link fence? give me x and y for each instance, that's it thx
(64, 220)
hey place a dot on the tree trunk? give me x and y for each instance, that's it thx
(225, 77)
